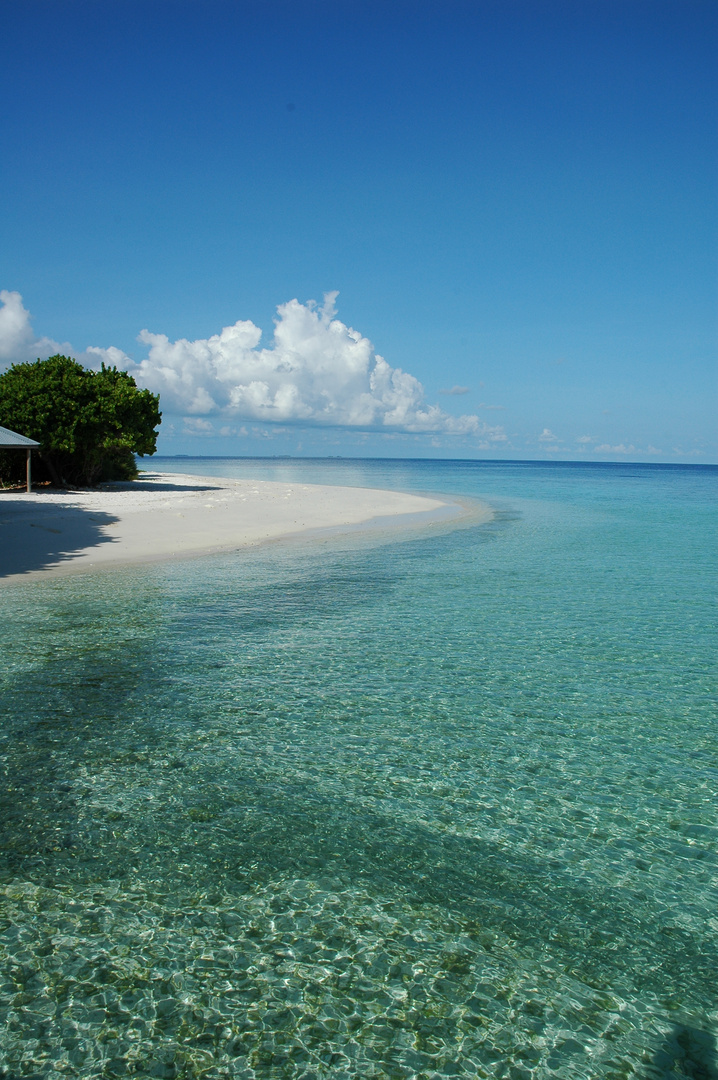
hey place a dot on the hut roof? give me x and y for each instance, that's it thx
(11, 438)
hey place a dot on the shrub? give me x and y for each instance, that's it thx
(90, 424)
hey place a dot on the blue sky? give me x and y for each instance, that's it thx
(514, 201)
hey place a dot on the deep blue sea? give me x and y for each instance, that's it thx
(410, 805)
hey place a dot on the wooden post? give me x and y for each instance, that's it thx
(29, 470)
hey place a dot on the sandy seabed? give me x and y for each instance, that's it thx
(166, 515)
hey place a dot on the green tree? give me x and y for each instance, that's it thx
(90, 424)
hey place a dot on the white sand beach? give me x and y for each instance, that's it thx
(166, 515)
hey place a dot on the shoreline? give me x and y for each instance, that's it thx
(168, 516)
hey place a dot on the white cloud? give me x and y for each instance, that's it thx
(18, 343)
(195, 425)
(548, 436)
(317, 371)
(606, 448)
(584, 439)
(227, 430)
(687, 453)
(455, 391)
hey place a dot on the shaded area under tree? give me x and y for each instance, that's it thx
(46, 541)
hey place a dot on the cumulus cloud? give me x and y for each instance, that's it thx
(316, 371)
(18, 343)
(195, 425)
(548, 436)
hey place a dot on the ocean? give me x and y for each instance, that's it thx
(406, 804)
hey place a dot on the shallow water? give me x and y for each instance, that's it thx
(444, 805)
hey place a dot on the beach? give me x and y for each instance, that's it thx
(168, 515)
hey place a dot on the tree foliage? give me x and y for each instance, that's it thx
(90, 424)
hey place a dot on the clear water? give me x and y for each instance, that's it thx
(440, 806)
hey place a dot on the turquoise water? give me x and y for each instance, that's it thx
(436, 806)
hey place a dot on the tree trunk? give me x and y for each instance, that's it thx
(47, 458)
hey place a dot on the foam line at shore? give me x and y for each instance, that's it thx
(169, 515)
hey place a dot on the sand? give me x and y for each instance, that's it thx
(167, 515)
